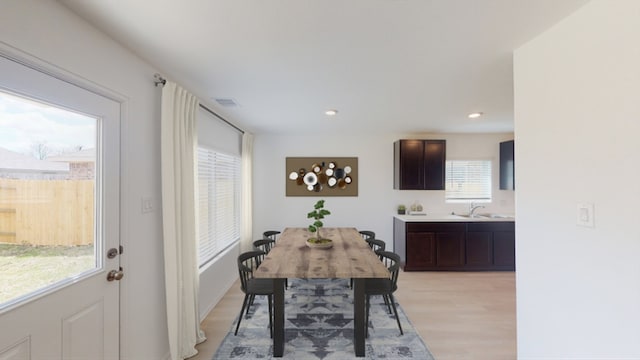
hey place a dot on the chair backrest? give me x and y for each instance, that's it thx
(247, 263)
(367, 234)
(271, 234)
(392, 262)
(376, 244)
(264, 245)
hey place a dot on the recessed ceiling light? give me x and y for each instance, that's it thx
(475, 115)
(331, 112)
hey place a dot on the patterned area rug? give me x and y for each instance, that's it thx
(319, 325)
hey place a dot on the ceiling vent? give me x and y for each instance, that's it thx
(226, 102)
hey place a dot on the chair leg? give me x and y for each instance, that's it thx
(386, 301)
(252, 297)
(269, 297)
(244, 303)
(393, 303)
(366, 317)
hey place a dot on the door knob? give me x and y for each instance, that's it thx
(115, 275)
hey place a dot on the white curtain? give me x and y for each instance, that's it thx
(246, 235)
(178, 149)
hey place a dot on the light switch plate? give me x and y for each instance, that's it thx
(147, 205)
(585, 215)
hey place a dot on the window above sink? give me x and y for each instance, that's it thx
(468, 180)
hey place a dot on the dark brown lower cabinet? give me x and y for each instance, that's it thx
(504, 249)
(491, 246)
(468, 246)
(450, 249)
(478, 249)
(434, 245)
(423, 250)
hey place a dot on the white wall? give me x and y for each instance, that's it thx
(216, 278)
(48, 31)
(577, 103)
(376, 203)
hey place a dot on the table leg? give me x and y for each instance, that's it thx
(278, 317)
(359, 316)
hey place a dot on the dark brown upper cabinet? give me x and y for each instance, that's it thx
(419, 164)
(507, 166)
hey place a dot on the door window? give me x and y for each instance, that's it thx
(47, 197)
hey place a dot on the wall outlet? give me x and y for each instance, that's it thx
(585, 215)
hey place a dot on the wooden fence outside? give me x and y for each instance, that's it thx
(47, 212)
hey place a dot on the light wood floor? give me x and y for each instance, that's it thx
(460, 315)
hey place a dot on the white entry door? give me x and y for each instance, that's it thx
(59, 217)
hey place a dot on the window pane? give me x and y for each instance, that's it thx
(468, 180)
(219, 202)
(47, 196)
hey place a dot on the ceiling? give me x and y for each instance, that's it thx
(387, 66)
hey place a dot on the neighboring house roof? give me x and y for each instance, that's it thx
(13, 161)
(84, 155)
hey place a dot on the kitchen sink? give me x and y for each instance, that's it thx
(485, 216)
(497, 216)
(476, 216)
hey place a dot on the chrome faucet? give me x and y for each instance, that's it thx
(472, 209)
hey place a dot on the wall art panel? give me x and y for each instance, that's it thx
(322, 176)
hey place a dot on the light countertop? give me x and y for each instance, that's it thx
(442, 217)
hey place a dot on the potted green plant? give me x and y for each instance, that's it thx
(401, 209)
(318, 213)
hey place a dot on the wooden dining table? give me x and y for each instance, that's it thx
(350, 257)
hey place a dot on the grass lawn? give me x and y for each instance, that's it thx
(26, 268)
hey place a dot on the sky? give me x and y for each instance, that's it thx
(25, 123)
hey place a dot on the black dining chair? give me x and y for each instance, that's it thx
(271, 234)
(367, 234)
(384, 286)
(250, 286)
(264, 245)
(376, 245)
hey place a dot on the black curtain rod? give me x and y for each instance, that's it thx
(159, 80)
(221, 118)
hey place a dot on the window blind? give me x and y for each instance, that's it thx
(468, 180)
(219, 192)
